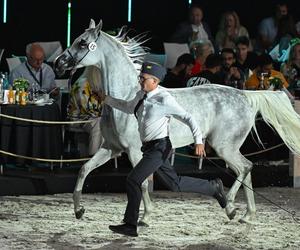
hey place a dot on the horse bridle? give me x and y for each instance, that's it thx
(73, 62)
(91, 47)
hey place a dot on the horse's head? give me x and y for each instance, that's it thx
(76, 56)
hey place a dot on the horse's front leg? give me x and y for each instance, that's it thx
(135, 156)
(102, 156)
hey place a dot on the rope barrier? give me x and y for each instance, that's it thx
(217, 158)
(43, 159)
(44, 122)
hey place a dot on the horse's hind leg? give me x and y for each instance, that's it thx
(102, 156)
(251, 209)
(135, 157)
(241, 167)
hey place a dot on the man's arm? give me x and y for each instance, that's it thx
(123, 105)
(174, 109)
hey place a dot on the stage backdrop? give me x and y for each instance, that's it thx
(46, 20)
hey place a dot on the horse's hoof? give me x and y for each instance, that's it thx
(246, 220)
(230, 212)
(143, 224)
(79, 213)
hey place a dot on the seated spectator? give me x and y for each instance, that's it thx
(178, 76)
(35, 70)
(230, 74)
(85, 104)
(291, 68)
(201, 50)
(194, 30)
(285, 32)
(262, 74)
(267, 29)
(210, 74)
(246, 60)
(229, 30)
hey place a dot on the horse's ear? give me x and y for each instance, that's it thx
(92, 24)
(99, 26)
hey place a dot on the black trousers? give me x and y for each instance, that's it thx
(155, 158)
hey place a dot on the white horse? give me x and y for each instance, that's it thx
(225, 115)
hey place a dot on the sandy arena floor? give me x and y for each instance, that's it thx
(179, 221)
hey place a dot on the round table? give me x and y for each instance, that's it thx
(28, 138)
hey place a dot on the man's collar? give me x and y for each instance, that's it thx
(33, 69)
(153, 92)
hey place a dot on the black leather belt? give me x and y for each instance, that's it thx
(149, 143)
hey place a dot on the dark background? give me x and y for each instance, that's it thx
(42, 20)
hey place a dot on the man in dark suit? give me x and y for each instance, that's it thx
(194, 30)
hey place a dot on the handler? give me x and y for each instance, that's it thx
(153, 106)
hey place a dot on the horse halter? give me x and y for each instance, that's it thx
(73, 62)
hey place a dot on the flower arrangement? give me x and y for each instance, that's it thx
(276, 82)
(21, 83)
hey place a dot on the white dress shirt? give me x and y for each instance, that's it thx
(201, 33)
(21, 71)
(154, 114)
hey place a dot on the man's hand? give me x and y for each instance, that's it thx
(101, 95)
(199, 150)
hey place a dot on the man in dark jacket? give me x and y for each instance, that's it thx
(194, 30)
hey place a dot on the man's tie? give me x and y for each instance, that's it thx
(139, 104)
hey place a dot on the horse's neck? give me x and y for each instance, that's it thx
(119, 75)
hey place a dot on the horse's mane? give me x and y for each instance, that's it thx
(132, 46)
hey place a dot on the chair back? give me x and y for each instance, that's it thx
(13, 62)
(157, 58)
(173, 51)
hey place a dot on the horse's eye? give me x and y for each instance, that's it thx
(82, 44)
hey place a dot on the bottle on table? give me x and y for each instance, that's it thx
(17, 96)
(22, 97)
(11, 96)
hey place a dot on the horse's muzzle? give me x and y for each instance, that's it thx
(62, 63)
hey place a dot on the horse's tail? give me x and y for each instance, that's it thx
(276, 109)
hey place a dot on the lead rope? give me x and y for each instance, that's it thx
(292, 212)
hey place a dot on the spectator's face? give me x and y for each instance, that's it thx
(228, 59)
(36, 58)
(267, 69)
(229, 21)
(188, 69)
(242, 51)
(282, 10)
(196, 16)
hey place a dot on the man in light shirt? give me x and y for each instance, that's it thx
(35, 70)
(153, 106)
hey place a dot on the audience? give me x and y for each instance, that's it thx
(246, 60)
(210, 74)
(35, 70)
(291, 68)
(268, 27)
(230, 74)
(194, 30)
(229, 30)
(262, 74)
(178, 76)
(201, 50)
(286, 31)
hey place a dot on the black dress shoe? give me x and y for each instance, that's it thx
(125, 229)
(219, 193)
